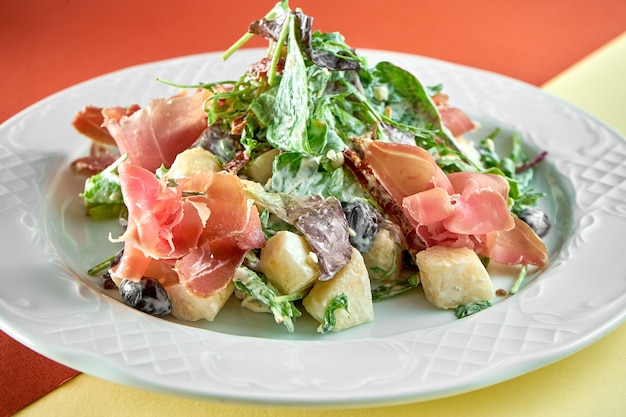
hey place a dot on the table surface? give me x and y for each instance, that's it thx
(566, 46)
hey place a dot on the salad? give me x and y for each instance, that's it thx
(313, 183)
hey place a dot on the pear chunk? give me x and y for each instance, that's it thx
(353, 281)
(453, 276)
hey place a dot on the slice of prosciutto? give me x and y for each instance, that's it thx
(154, 135)
(480, 204)
(89, 121)
(465, 209)
(161, 223)
(196, 232)
(453, 118)
(403, 169)
(210, 268)
(520, 245)
(233, 228)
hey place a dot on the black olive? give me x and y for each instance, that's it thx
(363, 222)
(147, 295)
(107, 281)
(117, 259)
(537, 219)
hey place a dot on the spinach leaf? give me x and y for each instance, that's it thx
(405, 96)
(399, 95)
(322, 137)
(301, 175)
(263, 106)
(287, 130)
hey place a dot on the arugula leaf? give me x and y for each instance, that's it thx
(103, 193)
(281, 306)
(340, 302)
(277, 11)
(468, 309)
(391, 289)
(521, 194)
(102, 265)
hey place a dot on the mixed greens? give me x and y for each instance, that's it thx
(304, 104)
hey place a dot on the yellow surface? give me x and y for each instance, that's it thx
(597, 84)
(591, 382)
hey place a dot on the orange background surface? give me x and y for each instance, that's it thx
(49, 45)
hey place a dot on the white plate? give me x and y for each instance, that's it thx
(411, 352)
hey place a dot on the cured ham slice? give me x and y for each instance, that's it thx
(197, 239)
(465, 209)
(211, 267)
(154, 135)
(456, 121)
(100, 157)
(481, 206)
(89, 121)
(404, 169)
(453, 118)
(428, 207)
(160, 222)
(233, 228)
(520, 245)
(134, 265)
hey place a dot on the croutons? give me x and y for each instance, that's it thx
(289, 262)
(453, 276)
(384, 259)
(353, 281)
(186, 306)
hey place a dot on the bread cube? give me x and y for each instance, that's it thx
(289, 263)
(353, 281)
(186, 306)
(384, 259)
(453, 276)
